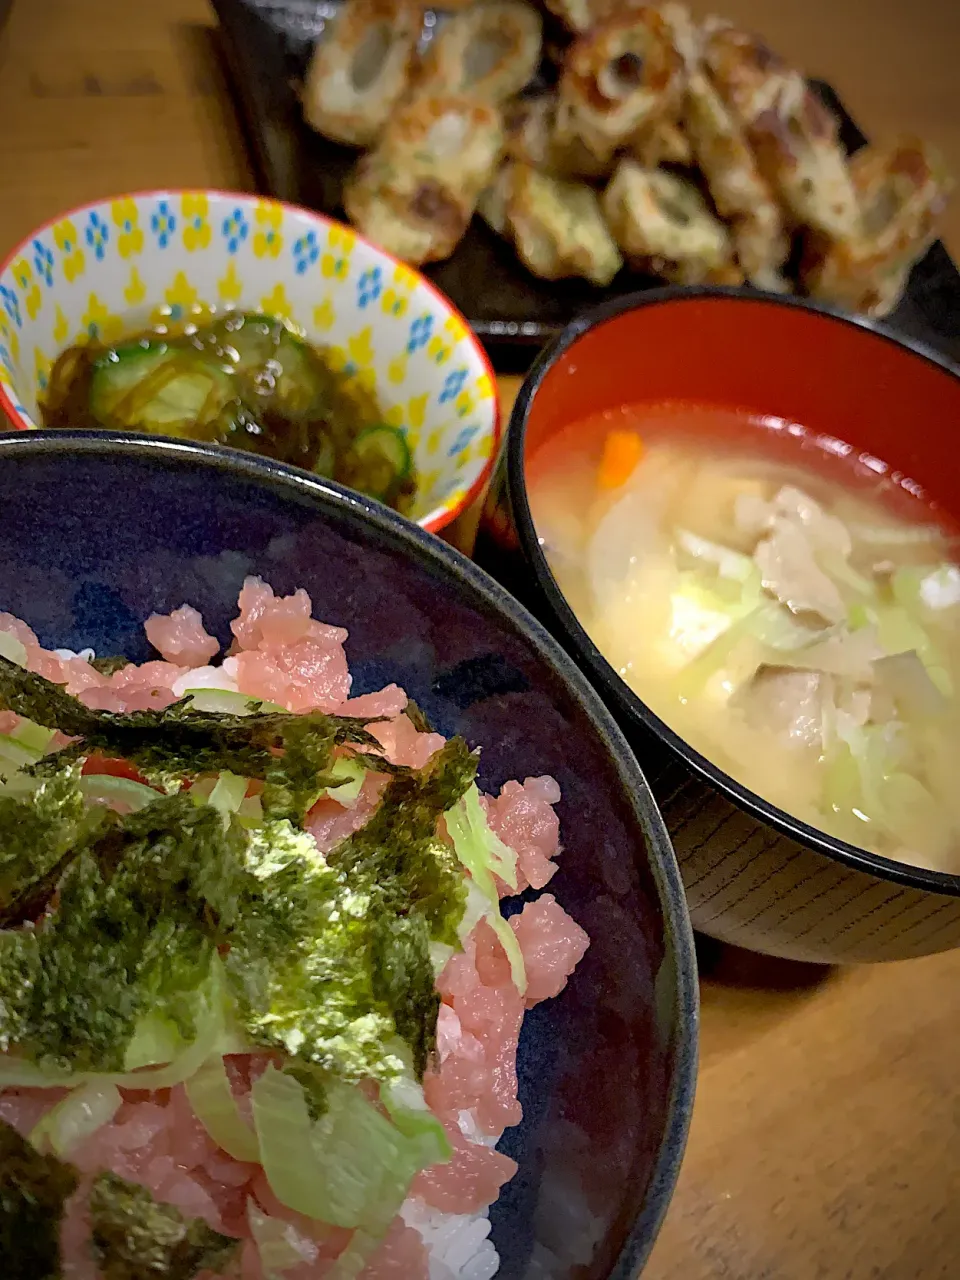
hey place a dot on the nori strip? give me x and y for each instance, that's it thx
(33, 1191)
(328, 959)
(39, 835)
(140, 912)
(109, 666)
(289, 752)
(134, 1237)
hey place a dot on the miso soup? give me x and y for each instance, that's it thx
(789, 607)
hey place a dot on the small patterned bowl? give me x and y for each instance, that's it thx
(113, 265)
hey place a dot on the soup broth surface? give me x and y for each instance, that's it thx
(787, 606)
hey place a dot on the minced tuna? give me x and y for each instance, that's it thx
(281, 654)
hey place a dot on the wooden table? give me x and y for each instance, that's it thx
(826, 1136)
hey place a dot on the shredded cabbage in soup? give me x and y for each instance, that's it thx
(791, 622)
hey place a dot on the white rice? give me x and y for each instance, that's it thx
(458, 1244)
(65, 655)
(222, 677)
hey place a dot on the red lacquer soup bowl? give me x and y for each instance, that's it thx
(754, 875)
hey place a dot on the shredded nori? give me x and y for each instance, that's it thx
(33, 1191)
(134, 1237)
(369, 912)
(40, 833)
(140, 912)
(416, 717)
(109, 666)
(289, 752)
(327, 959)
(399, 850)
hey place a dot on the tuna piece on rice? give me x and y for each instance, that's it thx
(294, 1055)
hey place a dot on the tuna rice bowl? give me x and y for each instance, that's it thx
(259, 1002)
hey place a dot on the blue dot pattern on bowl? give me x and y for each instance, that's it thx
(420, 331)
(452, 384)
(306, 250)
(463, 439)
(43, 262)
(235, 229)
(170, 255)
(369, 287)
(11, 305)
(163, 223)
(97, 234)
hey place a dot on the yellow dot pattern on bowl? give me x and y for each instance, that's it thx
(126, 218)
(135, 291)
(197, 232)
(103, 270)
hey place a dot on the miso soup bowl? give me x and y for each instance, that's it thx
(754, 875)
(117, 265)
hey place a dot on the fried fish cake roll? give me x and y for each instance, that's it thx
(666, 142)
(902, 191)
(739, 192)
(793, 135)
(580, 15)
(620, 78)
(762, 247)
(416, 192)
(492, 205)
(663, 224)
(490, 51)
(538, 134)
(749, 75)
(360, 69)
(555, 226)
(415, 218)
(801, 155)
(456, 140)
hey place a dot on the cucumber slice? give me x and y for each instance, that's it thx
(248, 342)
(119, 371)
(325, 455)
(302, 386)
(380, 461)
(173, 391)
(389, 442)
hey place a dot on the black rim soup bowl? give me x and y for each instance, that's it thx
(97, 531)
(754, 876)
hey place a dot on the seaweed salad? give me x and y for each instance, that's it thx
(247, 381)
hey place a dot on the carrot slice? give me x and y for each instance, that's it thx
(622, 450)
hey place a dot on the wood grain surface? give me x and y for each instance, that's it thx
(826, 1136)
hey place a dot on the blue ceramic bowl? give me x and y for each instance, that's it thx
(98, 531)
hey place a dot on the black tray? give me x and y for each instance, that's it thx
(267, 44)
